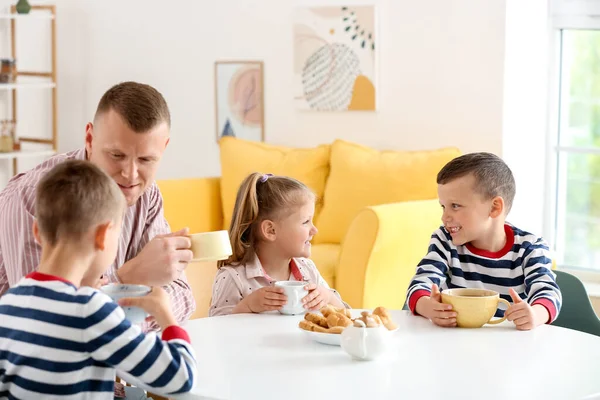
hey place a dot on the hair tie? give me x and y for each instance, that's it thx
(264, 178)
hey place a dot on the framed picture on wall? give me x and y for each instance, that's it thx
(335, 58)
(239, 99)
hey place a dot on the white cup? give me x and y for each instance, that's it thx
(295, 292)
(210, 246)
(135, 315)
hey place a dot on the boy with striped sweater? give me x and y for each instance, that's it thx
(475, 248)
(61, 338)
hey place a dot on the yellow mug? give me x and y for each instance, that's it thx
(210, 246)
(474, 307)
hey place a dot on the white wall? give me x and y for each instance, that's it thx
(441, 72)
(525, 117)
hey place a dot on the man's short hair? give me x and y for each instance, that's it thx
(492, 176)
(140, 105)
(74, 197)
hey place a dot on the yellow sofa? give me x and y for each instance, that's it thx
(376, 211)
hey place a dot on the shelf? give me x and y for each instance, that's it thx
(37, 83)
(27, 85)
(26, 153)
(27, 16)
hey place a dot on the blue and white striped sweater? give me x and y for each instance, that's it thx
(57, 341)
(524, 265)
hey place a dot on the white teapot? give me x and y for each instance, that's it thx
(364, 343)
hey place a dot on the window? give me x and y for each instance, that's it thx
(577, 236)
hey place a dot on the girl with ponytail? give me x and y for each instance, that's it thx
(270, 233)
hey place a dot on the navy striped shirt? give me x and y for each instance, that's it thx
(523, 264)
(57, 341)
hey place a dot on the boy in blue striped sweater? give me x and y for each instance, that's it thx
(61, 339)
(475, 248)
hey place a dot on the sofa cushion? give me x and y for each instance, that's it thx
(239, 158)
(194, 203)
(361, 177)
(326, 257)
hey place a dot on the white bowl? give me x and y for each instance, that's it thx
(332, 339)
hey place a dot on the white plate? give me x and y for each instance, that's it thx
(332, 339)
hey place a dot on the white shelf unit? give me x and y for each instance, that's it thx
(46, 80)
(26, 153)
(27, 16)
(27, 85)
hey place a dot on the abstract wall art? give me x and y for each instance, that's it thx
(335, 58)
(239, 99)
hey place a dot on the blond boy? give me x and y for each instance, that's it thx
(59, 338)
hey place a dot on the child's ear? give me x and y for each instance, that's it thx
(100, 235)
(497, 207)
(267, 230)
(36, 232)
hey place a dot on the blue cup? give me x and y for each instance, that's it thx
(135, 315)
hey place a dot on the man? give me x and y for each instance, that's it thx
(127, 139)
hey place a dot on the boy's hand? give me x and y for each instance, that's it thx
(432, 308)
(317, 297)
(156, 303)
(268, 298)
(525, 316)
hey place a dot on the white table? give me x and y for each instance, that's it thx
(268, 357)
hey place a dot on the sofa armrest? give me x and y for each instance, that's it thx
(381, 250)
(195, 203)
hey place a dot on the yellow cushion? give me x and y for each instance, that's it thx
(361, 177)
(192, 203)
(326, 258)
(239, 158)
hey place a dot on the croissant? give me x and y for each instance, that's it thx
(344, 311)
(328, 309)
(317, 319)
(335, 329)
(385, 318)
(311, 326)
(338, 319)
